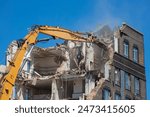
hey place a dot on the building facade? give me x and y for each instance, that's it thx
(127, 79)
(74, 70)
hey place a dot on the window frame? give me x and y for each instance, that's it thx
(127, 81)
(126, 46)
(135, 90)
(137, 57)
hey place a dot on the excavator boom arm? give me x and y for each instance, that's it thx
(7, 81)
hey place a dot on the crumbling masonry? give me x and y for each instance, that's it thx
(75, 70)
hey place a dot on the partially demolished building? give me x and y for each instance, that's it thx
(75, 70)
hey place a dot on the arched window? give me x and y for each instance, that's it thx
(126, 48)
(135, 53)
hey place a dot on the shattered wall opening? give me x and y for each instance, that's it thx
(66, 71)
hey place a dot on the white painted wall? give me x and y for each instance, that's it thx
(89, 64)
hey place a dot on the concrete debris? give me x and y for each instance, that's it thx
(2, 70)
(72, 70)
(54, 94)
(34, 81)
(92, 95)
(80, 70)
(20, 94)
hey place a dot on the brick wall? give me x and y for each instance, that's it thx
(134, 38)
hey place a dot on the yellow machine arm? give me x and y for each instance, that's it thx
(7, 81)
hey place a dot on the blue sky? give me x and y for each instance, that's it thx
(16, 16)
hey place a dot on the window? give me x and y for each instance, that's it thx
(126, 48)
(135, 54)
(117, 77)
(117, 96)
(127, 80)
(136, 86)
(106, 94)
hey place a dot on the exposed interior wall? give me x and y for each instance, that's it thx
(68, 71)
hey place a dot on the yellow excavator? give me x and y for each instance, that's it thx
(8, 80)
